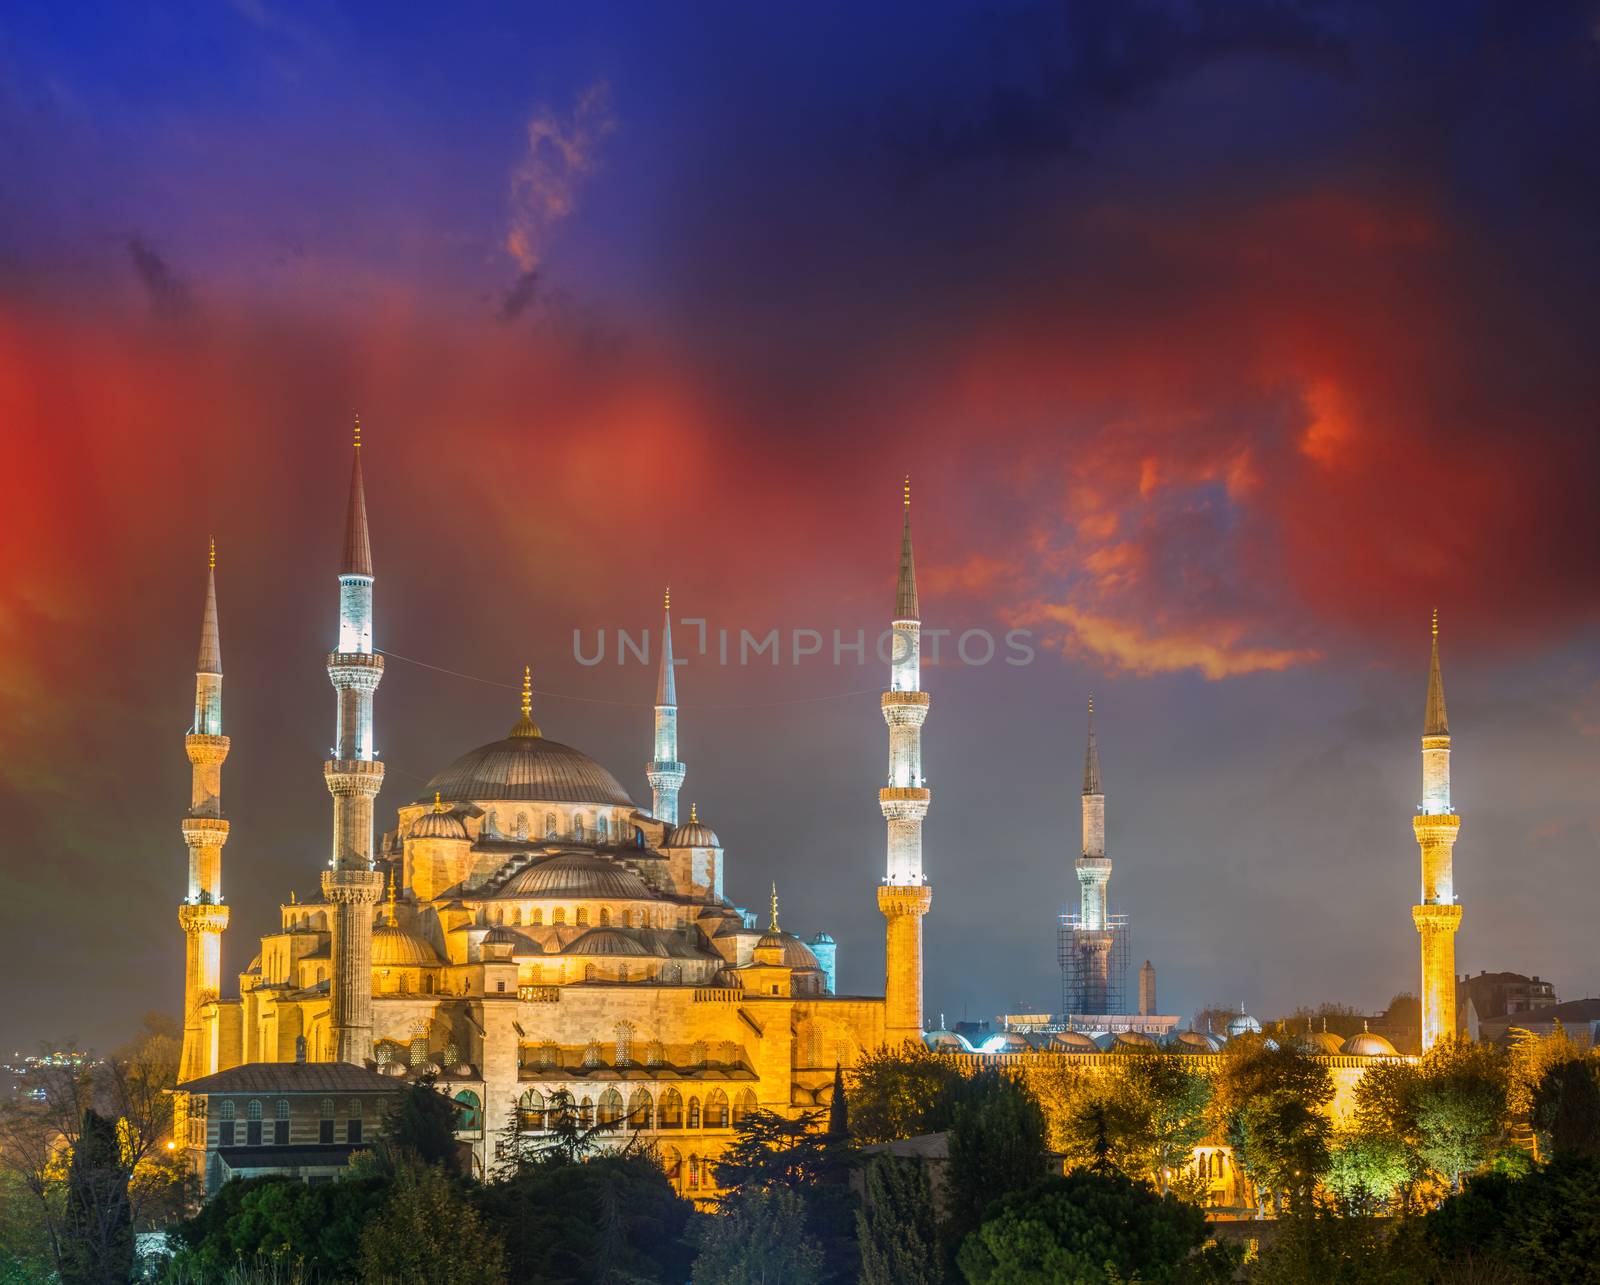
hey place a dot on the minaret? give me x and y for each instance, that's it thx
(904, 894)
(1436, 825)
(201, 913)
(664, 772)
(354, 776)
(1094, 877)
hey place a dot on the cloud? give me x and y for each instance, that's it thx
(562, 151)
(168, 296)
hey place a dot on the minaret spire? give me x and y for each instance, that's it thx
(1091, 758)
(666, 771)
(354, 776)
(904, 895)
(1436, 825)
(201, 913)
(1087, 984)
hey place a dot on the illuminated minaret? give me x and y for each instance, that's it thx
(1093, 938)
(904, 895)
(1436, 825)
(201, 913)
(665, 773)
(354, 776)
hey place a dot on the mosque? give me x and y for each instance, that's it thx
(527, 931)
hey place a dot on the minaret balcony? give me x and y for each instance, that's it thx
(202, 917)
(205, 832)
(1436, 827)
(358, 669)
(352, 887)
(904, 709)
(904, 802)
(205, 750)
(350, 777)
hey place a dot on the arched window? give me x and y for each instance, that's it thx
(558, 916)
(622, 972)
(639, 1113)
(280, 1126)
(352, 1125)
(694, 1113)
(530, 1111)
(550, 830)
(602, 830)
(605, 916)
(610, 1110)
(671, 1113)
(252, 1126)
(522, 825)
(589, 972)
(469, 1111)
(225, 1124)
(516, 916)
(583, 916)
(672, 1162)
(325, 1125)
(694, 1173)
(716, 1109)
(743, 1105)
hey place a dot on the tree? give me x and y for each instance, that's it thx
(760, 1239)
(1544, 1226)
(838, 1107)
(1318, 1244)
(903, 1093)
(420, 1124)
(97, 1224)
(1093, 1227)
(1366, 1170)
(1566, 1109)
(1271, 1105)
(771, 1151)
(607, 1219)
(1460, 1102)
(1145, 1118)
(426, 1233)
(997, 1146)
(896, 1225)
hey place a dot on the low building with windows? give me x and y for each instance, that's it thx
(304, 1119)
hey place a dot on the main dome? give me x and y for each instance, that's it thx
(573, 874)
(532, 768)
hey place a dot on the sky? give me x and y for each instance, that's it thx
(1223, 342)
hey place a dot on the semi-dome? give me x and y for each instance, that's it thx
(1322, 1042)
(501, 937)
(693, 833)
(394, 947)
(573, 875)
(1192, 1042)
(438, 823)
(524, 767)
(795, 953)
(1074, 1042)
(945, 1042)
(1125, 1042)
(1369, 1044)
(605, 941)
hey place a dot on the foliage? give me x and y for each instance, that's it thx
(420, 1124)
(997, 1146)
(1366, 1170)
(759, 1239)
(97, 1224)
(903, 1093)
(1270, 1103)
(278, 1218)
(838, 1106)
(1542, 1227)
(1460, 1106)
(609, 1218)
(427, 1233)
(568, 1140)
(1145, 1119)
(1320, 1244)
(1566, 1109)
(25, 1246)
(896, 1225)
(1091, 1227)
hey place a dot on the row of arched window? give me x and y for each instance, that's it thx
(582, 917)
(255, 1123)
(583, 828)
(669, 1111)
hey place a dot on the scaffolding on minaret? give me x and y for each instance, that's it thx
(1083, 994)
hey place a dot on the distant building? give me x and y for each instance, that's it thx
(1505, 994)
(1579, 1018)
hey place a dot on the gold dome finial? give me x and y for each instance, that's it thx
(1436, 622)
(775, 927)
(391, 894)
(438, 802)
(666, 601)
(525, 725)
(1091, 704)
(694, 813)
(358, 432)
(213, 555)
(908, 490)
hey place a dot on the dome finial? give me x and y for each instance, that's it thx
(1436, 622)
(391, 896)
(525, 725)
(666, 601)
(358, 432)
(438, 802)
(908, 491)
(213, 559)
(775, 927)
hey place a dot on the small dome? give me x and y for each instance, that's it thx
(576, 874)
(1369, 1044)
(501, 937)
(1241, 1023)
(693, 833)
(1192, 1042)
(605, 941)
(394, 947)
(1322, 1042)
(463, 1071)
(1007, 1042)
(391, 1068)
(822, 939)
(1074, 1042)
(1125, 1042)
(435, 824)
(796, 954)
(945, 1042)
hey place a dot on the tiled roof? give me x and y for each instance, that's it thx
(291, 1077)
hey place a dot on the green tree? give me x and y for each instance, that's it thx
(1566, 1109)
(1270, 1102)
(1461, 1107)
(903, 1093)
(1145, 1119)
(1319, 1244)
(1367, 1170)
(421, 1123)
(997, 1146)
(1093, 1227)
(605, 1220)
(760, 1238)
(1544, 1226)
(427, 1233)
(896, 1225)
(97, 1227)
